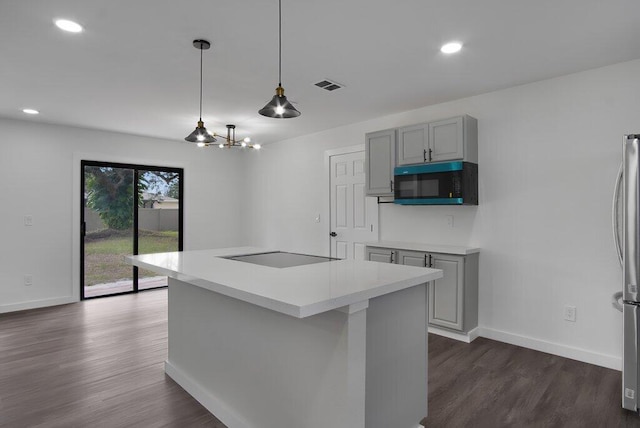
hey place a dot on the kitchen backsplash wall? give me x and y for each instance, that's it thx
(435, 228)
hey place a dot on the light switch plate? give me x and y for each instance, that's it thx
(449, 220)
(570, 313)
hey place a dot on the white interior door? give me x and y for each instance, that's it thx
(354, 217)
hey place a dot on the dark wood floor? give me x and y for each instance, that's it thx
(100, 364)
(493, 384)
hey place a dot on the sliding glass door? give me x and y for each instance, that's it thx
(127, 209)
(108, 211)
(158, 220)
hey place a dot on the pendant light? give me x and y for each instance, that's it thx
(200, 135)
(279, 107)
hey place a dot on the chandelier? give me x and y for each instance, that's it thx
(229, 141)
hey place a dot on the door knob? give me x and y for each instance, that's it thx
(333, 234)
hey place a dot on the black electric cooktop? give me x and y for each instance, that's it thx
(280, 259)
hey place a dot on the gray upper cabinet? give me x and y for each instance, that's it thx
(443, 140)
(446, 139)
(380, 149)
(413, 144)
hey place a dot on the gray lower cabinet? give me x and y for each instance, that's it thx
(453, 299)
(380, 155)
(447, 294)
(384, 255)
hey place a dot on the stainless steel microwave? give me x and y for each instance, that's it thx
(443, 183)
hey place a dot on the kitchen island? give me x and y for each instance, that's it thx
(276, 340)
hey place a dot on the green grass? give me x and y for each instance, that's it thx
(158, 242)
(105, 251)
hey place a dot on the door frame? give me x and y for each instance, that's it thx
(327, 187)
(79, 226)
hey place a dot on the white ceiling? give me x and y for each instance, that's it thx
(134, 68)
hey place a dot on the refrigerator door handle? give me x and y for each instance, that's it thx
(615, 214)
(631, 158)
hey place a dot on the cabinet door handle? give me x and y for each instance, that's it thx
(424, 155)
(430, 261)
(392, 261)
(426, 263)
(430, 153)
(391, 184)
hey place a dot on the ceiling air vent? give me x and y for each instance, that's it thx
(329, 85)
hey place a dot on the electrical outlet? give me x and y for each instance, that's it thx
(28, 280)
(28, 220)
(449, 220)
(570, 313)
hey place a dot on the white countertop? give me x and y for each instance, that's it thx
(429, 248)
(299, 291)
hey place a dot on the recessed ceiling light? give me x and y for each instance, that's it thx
(30, 111)
(450, 48)
(70, 26)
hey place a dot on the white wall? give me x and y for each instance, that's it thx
(40, 176)
(548, 157)
(549, 153)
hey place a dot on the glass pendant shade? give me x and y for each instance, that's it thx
(279, 107)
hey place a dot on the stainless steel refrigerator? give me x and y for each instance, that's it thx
(629, 253)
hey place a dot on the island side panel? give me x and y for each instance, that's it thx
(256, 368)
(396, 390)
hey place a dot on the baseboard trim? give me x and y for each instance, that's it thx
(34, 304)
(579, 354)
(462, 337)
(474, 334)
(212, 403)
